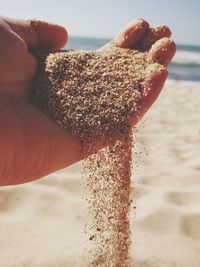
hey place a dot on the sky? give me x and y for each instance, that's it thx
(105, 18)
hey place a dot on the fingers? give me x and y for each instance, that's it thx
(155, 34)
(38, 33)
(162, 51)
(139, 33)
(49, 35)
(155, 77)
(132, 34)
(159, 56)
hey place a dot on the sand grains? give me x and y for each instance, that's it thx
(94, 95)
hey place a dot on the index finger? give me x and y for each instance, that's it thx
(37, 33)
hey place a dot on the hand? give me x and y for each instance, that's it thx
(161, 50)
(23, 128)
(33, 145)
(17, 65)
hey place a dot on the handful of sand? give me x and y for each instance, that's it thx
(94, 95)
(90, 92)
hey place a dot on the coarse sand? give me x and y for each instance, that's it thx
(93, 95)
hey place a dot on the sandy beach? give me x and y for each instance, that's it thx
(42, 223)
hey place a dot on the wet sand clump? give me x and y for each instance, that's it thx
(93, 95)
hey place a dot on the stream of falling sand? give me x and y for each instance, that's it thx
(108, 175)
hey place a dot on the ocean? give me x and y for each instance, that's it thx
(185, 64)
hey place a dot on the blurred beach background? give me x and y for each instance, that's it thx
(42, 223)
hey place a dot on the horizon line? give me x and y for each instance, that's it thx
(110, 38)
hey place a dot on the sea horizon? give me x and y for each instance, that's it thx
(184, 66)
(192, 46)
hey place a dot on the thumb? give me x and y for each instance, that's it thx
(37, 33)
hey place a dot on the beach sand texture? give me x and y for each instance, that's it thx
(42, 223)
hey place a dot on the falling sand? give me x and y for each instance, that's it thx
(94, 95)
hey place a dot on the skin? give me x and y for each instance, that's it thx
(33, 145)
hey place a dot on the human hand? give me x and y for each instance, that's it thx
(34, 145)
(161, 50)
(23, 128)
(17, 65)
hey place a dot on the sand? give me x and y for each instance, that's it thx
(94, 96)
(108, 177)
(42, 223)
